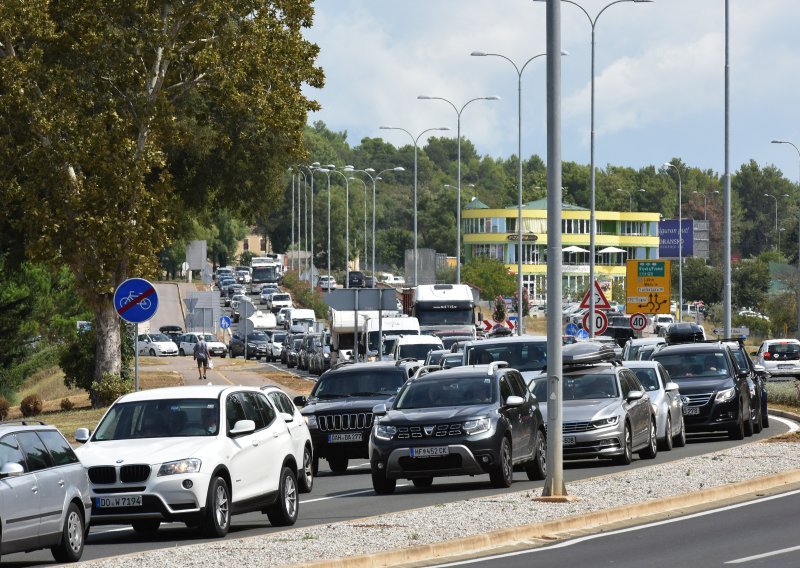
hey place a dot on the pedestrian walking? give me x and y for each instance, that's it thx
(201, 356)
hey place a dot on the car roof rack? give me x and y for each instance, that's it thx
(343, 363)
(494, 365)
(426, 369)
(25, 422)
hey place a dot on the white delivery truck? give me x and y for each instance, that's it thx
(444, 307)
(344, 326)
(300, 319)
(373, 328)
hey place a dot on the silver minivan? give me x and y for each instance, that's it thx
(44, 492)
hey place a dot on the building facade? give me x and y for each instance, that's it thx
(619, 236)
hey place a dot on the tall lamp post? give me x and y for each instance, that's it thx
(705, 204)
(415, 140)
(347, 169)
(592, 228)
(327, 171)
(311, 169)
(373, 179)
(458, 197)
(680, 239)
(352, 178)
(291, 258)
(519, 70)
(798, 243)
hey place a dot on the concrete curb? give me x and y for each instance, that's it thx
(548, 530)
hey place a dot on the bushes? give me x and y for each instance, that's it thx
(67, 404)
(31, 405)
(109, 389)
(303, 296)
(786, 393)
(4, 408)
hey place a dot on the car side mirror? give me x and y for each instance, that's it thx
(744, 373)
(635, 395)
(379, 409)
(671, 387)
(759, 368)
(515, 401)
(11, 469)
(243, 427)
(82, 435)
(300, 400)
(287, 417)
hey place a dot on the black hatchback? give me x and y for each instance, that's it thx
(471, 420)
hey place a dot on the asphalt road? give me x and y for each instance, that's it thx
(753, 533)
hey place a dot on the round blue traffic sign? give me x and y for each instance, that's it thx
(582, 334)
(136, 300)
(572, 329)
(224, 322)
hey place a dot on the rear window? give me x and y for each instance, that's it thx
(783, 351)
(648, 378)
(360, 382)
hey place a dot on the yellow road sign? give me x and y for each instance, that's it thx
(647, 286)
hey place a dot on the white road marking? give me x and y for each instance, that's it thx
(347, 494)
(765, 555)
(793, 426)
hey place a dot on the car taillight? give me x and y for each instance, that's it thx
(767, 355)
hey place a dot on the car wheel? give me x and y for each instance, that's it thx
(284, 512)
(666, 443)
(146, 526)
(503, 474)
(152, 352)
(218, 509)
(338, 464)
(537, 467)
(306, 479)
(381, 484)
(748, 425)
(627, 450)
(422, 482)
(181, 352)
(315, 466)
(758, 421)
(737, 431)
(70, 548)
(651, 450)
(680, 440)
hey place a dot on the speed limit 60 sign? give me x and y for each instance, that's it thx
(600, 321)
(638, 322)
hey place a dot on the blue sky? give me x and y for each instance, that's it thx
(659, 77)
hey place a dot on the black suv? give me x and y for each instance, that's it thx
(758, 388)
(257, 345)
(355, 279)
(339, 409)
(714, 390)
(463, 421)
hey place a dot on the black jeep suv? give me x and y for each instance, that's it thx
(469, 420)
(715, 391)
(339, 409)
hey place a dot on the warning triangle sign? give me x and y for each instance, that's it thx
(600, 300)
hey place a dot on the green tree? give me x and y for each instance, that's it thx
(490, 276)
(116, 121)
(749, 283)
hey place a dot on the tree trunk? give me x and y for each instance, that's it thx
(109, 356)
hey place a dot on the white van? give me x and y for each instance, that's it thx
(415, 347)
(373, 327)
(300, 319)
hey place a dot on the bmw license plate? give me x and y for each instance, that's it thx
(691, 410)
(349, 437)
(429, 451)
(118, 501)
(568, 440)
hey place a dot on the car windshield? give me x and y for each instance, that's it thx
(159, 337)
(450, 361)
(278, 337)
(434, 358)
(699, 365)
(257, 336)
(297, 343)
(590, 386)
(523, 356)
(449, 392)
(359, 382)
(648, 378)
(208, 337)
(417, 351)
(280, 297)
(166, 418)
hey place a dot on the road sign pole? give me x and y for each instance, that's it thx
(136, 357)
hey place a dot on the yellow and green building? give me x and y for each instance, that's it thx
(619, 236)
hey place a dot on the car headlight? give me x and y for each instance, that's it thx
(311, 422)
(326, 355)
(605, 422)
(191, 465)
(252, 346)
(479, 426)
(725, 395)
(385, 432)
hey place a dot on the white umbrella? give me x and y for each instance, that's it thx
(610, 250)
(573, 248)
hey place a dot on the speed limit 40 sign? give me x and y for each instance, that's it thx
(600, 321)
(638, 322)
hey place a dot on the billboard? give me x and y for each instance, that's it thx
(668, 238)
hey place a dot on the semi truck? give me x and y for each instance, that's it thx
(444, 307)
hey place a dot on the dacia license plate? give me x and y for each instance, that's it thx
(430, 451)
(349, 437)
(691, 410)
(118, 501)
(568, 440)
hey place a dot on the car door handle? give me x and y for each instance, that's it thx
(34, 489)
(276, 434)
(255, 442)
(61, 483)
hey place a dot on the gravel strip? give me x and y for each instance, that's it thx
(475, 516)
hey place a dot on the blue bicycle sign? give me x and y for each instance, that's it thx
(136, 300)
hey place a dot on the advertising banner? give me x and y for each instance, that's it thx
(668, 238)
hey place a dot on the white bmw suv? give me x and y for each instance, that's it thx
(194, 454)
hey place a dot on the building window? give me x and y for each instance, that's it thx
(245, 245)
(492, 251)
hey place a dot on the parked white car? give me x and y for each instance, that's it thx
(194, 454)
(155, 345)
(666, 400)
(188, 340)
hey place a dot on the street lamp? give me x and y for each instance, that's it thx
(327, 171)
(374, 178)
(798, 245)
(592, 228)
(705, 204)
(311, 169)
(519, 70)
(291, 248)
(680, 237)
(458, 196)
(365, 219)
(347, 169)
(414, 140)
(458, 205)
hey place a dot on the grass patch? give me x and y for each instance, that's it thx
(158, 379)
(49, 385)
(291, 382)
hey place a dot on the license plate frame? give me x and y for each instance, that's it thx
(568, 440)
(785, 366)
(115, 501)
(691, 410)
(429, 452)
(345, 437)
